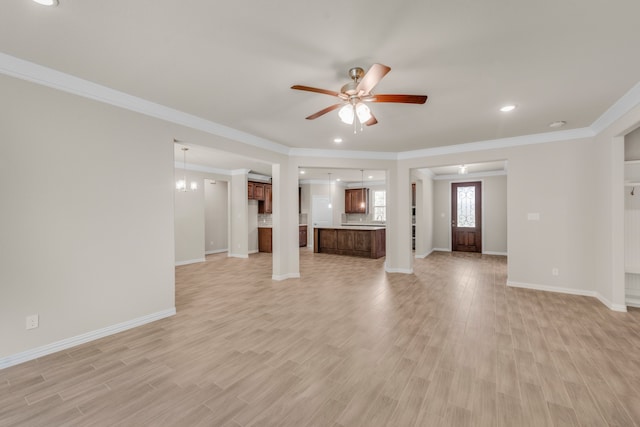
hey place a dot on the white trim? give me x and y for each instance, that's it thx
(216, 251)
(494, 253)
(614, 307)
(422, 256)
(29, 71)
(468, 176)
(200, 168)
(25, 70)
(285, 276)
(571, 291)
(623, 105)
(397, 270)
(632, 301)
(253, 251)
(515, 141)
(189, 261)
(64, 344)
(236, 172)
(230, 255)
(441, 250)
(343, 154)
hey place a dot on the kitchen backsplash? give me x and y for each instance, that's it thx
(359, 218)
(266, 219)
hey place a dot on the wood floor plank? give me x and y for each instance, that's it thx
(346, 344)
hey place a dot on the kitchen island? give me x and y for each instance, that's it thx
(362, 241)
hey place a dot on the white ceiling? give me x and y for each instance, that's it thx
(233, 62)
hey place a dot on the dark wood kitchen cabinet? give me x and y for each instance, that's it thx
(258, 191)
(356, 200)
(265, 239)
(302, 236)
(265, 205)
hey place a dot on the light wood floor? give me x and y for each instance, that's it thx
(346, 345)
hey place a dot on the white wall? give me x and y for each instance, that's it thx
(86, 225)
(424, 214)
(494, 213)
(189, 221)
(201, 217)
(216, 216)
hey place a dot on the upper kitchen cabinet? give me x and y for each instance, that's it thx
(356, 200)
(266, 207)
(259, 190)
(250, 190)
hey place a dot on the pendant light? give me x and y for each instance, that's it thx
(330, 192)
(181, 184)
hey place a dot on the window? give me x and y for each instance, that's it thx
(379, 205)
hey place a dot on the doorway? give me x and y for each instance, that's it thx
(466, 216)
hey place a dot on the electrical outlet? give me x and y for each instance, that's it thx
(555, 271)
(32, 321)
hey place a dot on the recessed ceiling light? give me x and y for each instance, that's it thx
(47, 2)
(337, 179)
(301, 172)
(557, 124)
(337, 140)
(508, 108)
(370, 176)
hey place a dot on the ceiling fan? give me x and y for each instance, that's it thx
(357, 92)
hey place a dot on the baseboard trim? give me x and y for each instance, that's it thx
(238, 255)
(398, 270)
(421, 256)
(25, 356)
(494, 253)
(189, 261)
(216, 251)
(571, 291)
(441, 250)
(285, 276)
(633, 302)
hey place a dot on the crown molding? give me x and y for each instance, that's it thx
(236, 172)
(468, 175)
(343, 154)
(25, 70)
(201, 168)
(628, 101)
(29, 71)
(516, 141)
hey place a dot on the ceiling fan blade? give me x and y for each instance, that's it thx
(323, 112)
(372, 78)
(372, 121)
(315, 89)
(406, 99)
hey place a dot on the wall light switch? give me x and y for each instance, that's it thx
(533, 216)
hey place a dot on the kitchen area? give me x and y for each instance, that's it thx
(340, 211)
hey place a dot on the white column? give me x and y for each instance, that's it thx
(399, 255)
(286, 256)
(238, 214)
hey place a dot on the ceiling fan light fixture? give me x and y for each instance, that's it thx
(363, 112)
(346, 114)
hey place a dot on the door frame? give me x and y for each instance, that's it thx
(450, 233)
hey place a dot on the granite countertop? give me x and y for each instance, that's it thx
(260, 225)
(352, 227)
(364, 224)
